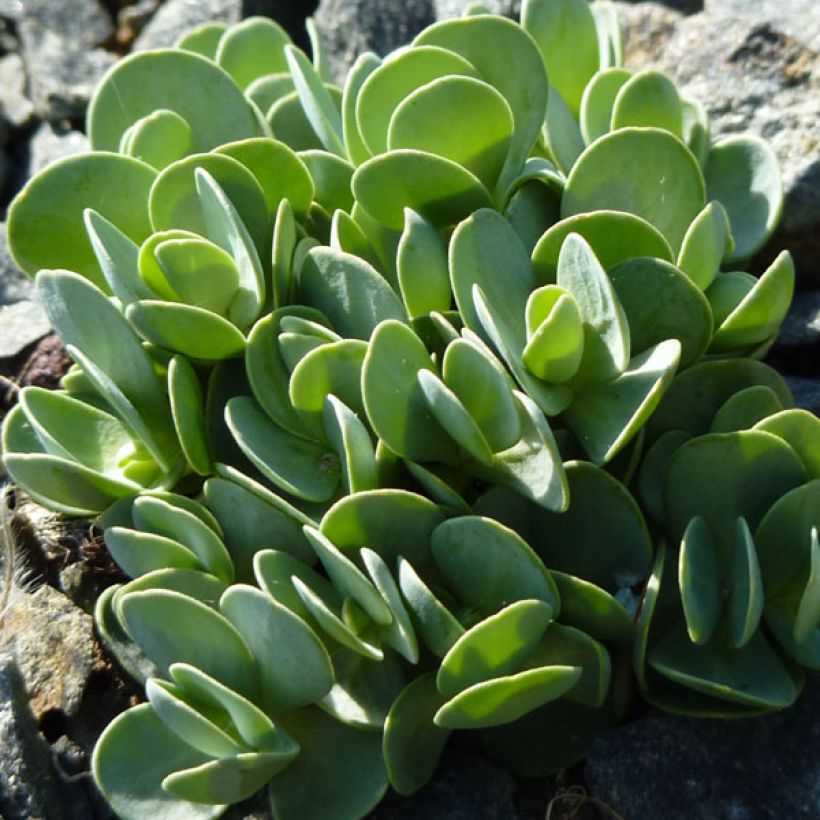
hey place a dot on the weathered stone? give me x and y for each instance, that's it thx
(806, 392)
(463, 788)
(53, 642)
(455, 8)
(14, 284)
(678, 768)
(175, 17)
(15, 106)
(60, 40)
(350, 27)
(801, 327)
(29, 786)
(51, 143)
(797, 18)
(753, 79)
(21, 324)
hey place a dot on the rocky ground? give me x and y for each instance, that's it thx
(755, 66)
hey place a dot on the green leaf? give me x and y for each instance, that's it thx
(289, 123)
(279, 170)
(138, 553)
(228, 779)
(393, 397)
(725, 476)
(300, 467)
(159, 139)
(589, 608)
(800, 429)
(753, 675)
(568, 40)
(561, 134)
(699, 578)
(610, 47)
(614, 237)
(202, 39)
(437, 626)
(354, 296)
(807, 618)
(485, 390)
(745, 409)
(276, 638)
(661, 303)
(606, 331)
(339, 774)
(488, 566)
(350, 438)
(317, 103)
(644, 171)
(762, 310)
(252, 49)
(117, 257)
(389, 83)
(746, 597)
(45, 221)
(195, 583)
(442, 191)
(481, 124)
(331, 175)
(355, 147)
(155, 515)
(147, 81)
(606, 417)
(132, 791)
(201, 636)
(742, 174)
(188, 410)
(412, 743)
(505, 699)
(243, 514)
(506, 58)
(186, 329)
(494, 647)
(421, 262)
(391, 521)
(708, 239)
(595, 115)
(648, 99)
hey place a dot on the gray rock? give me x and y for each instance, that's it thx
(350, 27)
(797, 18)
(29, 785)
(755, 79)
(60, 42)
(677, 768)
(806, 392)
(801, 327)
(51, 143)
(15, 106)
(463, 788)
(21, 324)
(175, 17)
(22, 319)
(446, 9)
(53, 642)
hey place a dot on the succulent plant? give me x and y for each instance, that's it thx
(401, 403)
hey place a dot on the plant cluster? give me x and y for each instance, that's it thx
(416, 406)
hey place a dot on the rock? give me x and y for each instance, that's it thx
(53, 642)
(753, 78)
(21, 324)
(29, 786)
(446, 9)
(463, 788)
(175, 17)
(51, 143)
(46, 365)
(22, 318)
(797, 18)
(350, 27)
(678, 768)
(806, 392)
(801, 327)
(15, 106)
(60, 40)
